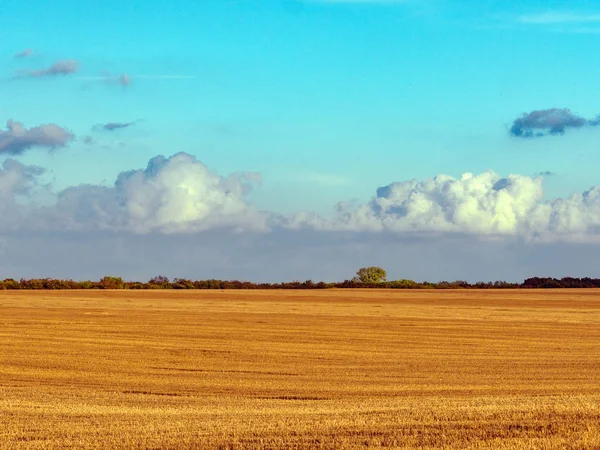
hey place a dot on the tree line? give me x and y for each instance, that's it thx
(366, 278)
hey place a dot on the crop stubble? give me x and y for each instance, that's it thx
(300, 369)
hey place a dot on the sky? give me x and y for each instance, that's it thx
(299, 139)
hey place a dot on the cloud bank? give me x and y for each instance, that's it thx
(180, 195)
(171, 195)
(285, 255)
(18, 139)
(481, 205)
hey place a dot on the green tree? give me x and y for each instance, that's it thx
(159, 282)
(370, 275)
(111, 283)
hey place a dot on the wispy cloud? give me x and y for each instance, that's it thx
(545, 173)
(62, 67)
(112, 126)
(108, 78)
(24, 53)
(126, 80)
(559, 18)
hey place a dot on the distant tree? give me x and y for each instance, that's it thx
(111, 283)
(370, 275)
(159, 279)
(159, 282)
(182, 283)
(85, 285)
(403, 284)
(10, 283)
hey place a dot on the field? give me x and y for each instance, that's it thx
(300, 369)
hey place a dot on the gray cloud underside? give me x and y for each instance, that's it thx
(180, 195)
(17, 139)
(544, 122)
(285, 255)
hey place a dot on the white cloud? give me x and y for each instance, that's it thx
(480, 205)
(17, 182)
(180, 195)
(172, 195)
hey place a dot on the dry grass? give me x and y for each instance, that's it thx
(325, 369)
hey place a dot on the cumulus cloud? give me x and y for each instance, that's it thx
(180, 195)
(63, 67)
(172, 195)
(484, 205)
(553, 121)
(175, 195)
(16, 181)
(18, 139)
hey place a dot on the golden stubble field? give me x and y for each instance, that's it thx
(300, 369)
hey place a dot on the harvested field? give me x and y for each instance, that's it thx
(300, 369)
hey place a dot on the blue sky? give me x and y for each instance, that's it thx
(327, 100)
